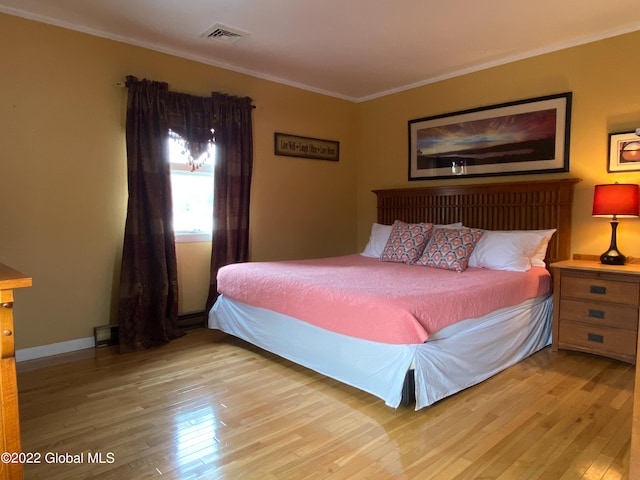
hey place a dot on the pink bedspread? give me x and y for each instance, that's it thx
(380, 301)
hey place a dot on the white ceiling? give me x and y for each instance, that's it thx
(351, 49)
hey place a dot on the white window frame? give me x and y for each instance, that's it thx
(182, 236)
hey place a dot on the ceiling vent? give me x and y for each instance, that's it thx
(225, 34)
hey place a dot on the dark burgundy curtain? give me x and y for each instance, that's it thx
(148, 303)
(232, 184)
(148, 297)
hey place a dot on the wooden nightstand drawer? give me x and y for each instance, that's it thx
(620, 344)
(600, 314)
(596, 308)
(600, 290)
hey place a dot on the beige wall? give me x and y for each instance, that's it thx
(64, 189)
(603, 77)
(64, 167)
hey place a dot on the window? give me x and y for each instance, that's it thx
(192, 191)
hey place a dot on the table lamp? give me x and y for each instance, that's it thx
(616, 200)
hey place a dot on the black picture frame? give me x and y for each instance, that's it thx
(289, 145)
(515, 138)
(624, 152)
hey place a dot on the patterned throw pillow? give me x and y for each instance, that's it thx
(406, 242)
(450, 249)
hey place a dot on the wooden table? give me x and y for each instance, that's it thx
(10, 279)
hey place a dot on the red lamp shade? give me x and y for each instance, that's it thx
(617, 199)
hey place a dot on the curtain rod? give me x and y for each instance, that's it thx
(123, 84)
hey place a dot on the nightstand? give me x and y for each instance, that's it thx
(596, 308)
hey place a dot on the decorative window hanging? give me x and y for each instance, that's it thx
(196, 153)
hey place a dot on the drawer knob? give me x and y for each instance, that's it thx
(7, 304)
(598, 290)
(596, 314)
(7, 333)
(592, 337)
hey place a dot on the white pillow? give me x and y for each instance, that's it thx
(449, 225)
(538, 257)
(508, 250)
(377, 240)
(379, 236)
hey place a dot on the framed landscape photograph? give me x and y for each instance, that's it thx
(624, 152)
(515, 138)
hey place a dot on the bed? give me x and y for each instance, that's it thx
(434, 323)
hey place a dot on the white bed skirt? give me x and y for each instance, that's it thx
(451, 360)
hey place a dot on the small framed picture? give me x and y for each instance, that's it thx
(306, 147)
(624, 152)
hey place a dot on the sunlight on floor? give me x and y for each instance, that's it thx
(196, 437)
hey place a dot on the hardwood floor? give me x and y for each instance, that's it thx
(210, 406)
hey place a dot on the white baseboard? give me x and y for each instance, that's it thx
(54, 349)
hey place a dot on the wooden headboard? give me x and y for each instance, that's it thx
(535, 205)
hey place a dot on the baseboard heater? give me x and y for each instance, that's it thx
(192, 320)
(106, 335)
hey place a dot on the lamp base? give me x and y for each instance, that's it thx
(613, 257)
